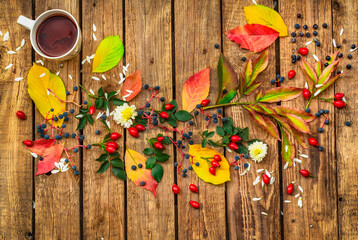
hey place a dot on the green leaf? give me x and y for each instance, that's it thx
(102, 158)
(140, 120)
(118, 102)
(89, 119)
(259, 65)
(242, 83)
(81, 124)
(114, 155)
(203, 143)
(100, 92)
(117, 163)
(225, 140)
(99, 103)
(213, 143)
(183, 115)
(280, 94)
(106, 105)
(329, 83)
(108, 54)
(150, 162)
(327, 72)
(248, 72)
(111, 94)
(148, 151)
(103, 167)
(157, 172)
(228, 125)
(252, 88)
(288, 149)
(220, 131)
(298, 123)
(174, 102)
(227, 80)
(310, 74)
(318, 68)
(105, 124)
(166, 140)
(119, 173)
(244, 134)
(210, 134)
(172, 121)
(205, 133)
(282, 110)
(242, 149)
(162, 157)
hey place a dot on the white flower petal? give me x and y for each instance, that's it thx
(316, 93)
(42, 75)
(55, 171)
(268, 173)
(11, 52)
(22, 43)
(104, 77)
(33, 154)
(264, 213)
(79, 116)
(18, 79)
(260, 170)
(17, 49)
(99, 115)
(94, 28)
(352, 50)
(300, 188)
(315, 57)
(297, 160)
(95, 78)
(297, 195)
(334, 43)
(287, 201)
(69, 76)
(8, 66)
(6, 37)
(254, 2)
(318, 85)
(58, 73)
(94, 37)
(272, 180)
(306, 85)
(92, 92)
(299, 203)
(257, 180)
(256, 199)
(308, 43)
(40, 61)
(286, 166)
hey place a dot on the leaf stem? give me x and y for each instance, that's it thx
(226, 104)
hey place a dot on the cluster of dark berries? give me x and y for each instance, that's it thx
(279, 79)
(306, 34)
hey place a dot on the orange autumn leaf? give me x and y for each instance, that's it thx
(195, 89)
(140, 174)
(132, 86)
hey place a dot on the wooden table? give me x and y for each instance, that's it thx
(170, 41)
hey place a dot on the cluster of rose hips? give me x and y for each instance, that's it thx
(112, 146)
(215, 163)
(339, 100)
(193, 188)
(233, 140)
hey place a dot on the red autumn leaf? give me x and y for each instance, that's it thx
(255, 37)
(132, 86)
(50, 156)
(195, 89)
(40, 145)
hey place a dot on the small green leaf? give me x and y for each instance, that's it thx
(227, 80)
(213, 144)
(111, 94)
(205, 133)
(166, 140)
(225, 140)
(210, 134)
(114, 155)
(103, 167)
(102, 158)
(105, 124)
(118, 102)
(162, 157)
(244, 134)
(150, 162)
(280, 94)
(106, 105)
(89, 119)
(220, 131)
(117, 162)
(81, 124)
(157, 172)
(172, 121)
(228, 125)
(120, 173)
(183, 115)
(99, 103)
(242, 149)
(203, 143)
(100, 92)
(148, 151)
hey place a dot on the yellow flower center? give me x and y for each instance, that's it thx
(127, 114)
(257, 151)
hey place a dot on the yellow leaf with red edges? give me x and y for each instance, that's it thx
(222, 172)
(39, 79)
(195, 89)
(132, 86)
(298, 123)
(288, 149)
(140, 174)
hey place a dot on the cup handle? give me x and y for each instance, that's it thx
(26, 22)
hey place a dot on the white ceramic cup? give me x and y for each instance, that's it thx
(33, 25)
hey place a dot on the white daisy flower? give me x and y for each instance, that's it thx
(257, 151)
(61, 166)
(124, 115)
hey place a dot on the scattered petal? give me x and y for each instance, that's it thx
(297, 195)
(352, 50)
(69, 76)
(341, 33)
(344, 99)
(58, 73)
(318, 85)
(18, 48)
(22, 43)
(287, 201)
(9, 66)
(11, 52)
(257, 180)
(40, 61)
(94, 28)
(299, 203)
(264, 213)
(268, 173)
(272, 180)
(286, 166)
(83, 61)
(306, 85)
(33, 154)
(300, 188)
(315, 58)
(99, 115)
(334, 43)
(42, 75)
(104, 77)
(95, 78)
(94, 37)
(260, 170)
(91, 91)
(308, 43)
(79, 116)
(18, 79)
(256, 199)
(6, 37)
(316, 93)
(297, 160)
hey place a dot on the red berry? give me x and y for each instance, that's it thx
(338, 96)
(313, 142)
(110, 149)
(115, 136)
(306, 93)
(175, 189)
(160, 138)
(133, 132)
(113, 144)
(140, 127)
(265, 178)
(305, 173)
(28, 143)
(164, 115)
(233, 146)
(215, 164)
(339, 104)
(235, 138)
(291, 74)
(212, 171)
(169, 106)
(194, 204)
(91, 110)
(205, 102)
(303, 51)
(159, 145)
(193, 188)
(289, 189)
(217, 158)
(21, 115)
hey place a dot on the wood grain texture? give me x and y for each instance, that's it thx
(148, 48)
(197, 30)
(345, 16)
(57, 196)
(15, 163)
(315, 220)
(103, 193)
(244, 215)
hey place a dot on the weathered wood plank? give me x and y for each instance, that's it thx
(148, 48)
(318, 217)
(345, 16)
(57, 196)
(103, 193)
(244, 216)
(16, 163)
(197, 30)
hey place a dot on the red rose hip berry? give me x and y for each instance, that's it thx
(193, 188)
(159, 145)
(194, 204)
(338, 96)
(233, 146)
(235, 138)
(28, 143)
(91, 110)
(160, 138)
(110, 149)
(291, 74)
(217, 158)
(212, 171)
(21, 115)
(164, 115)
(303, 51)
(313, 142)
(140, 127)
(339, 104)
(113, 144)
(205, 102)
(290, 189)
(265, 179)
(215, 164)
(305, 173)
(115, 136)
(169, 106)
(175, 189)
(133, 132)
(306, 93)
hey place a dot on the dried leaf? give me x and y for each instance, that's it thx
(37, 89)
(259, 65)
(325, 75)
(242, 83)
(140, 174)
(195, 89)
(254, 37)
(282, 110)
(265, 16)
(248, 72)
(288, 149)
(227, 80)
(252, 88)
(108, 54)
(310, 74)
(280, 94)
(329, 83)
(298, 123)
(299, 138)
(222, 173)
(133, 83)
(318, 68)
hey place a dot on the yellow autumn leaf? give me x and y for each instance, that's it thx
(266, 16)
(222, 172)
(39, 79)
